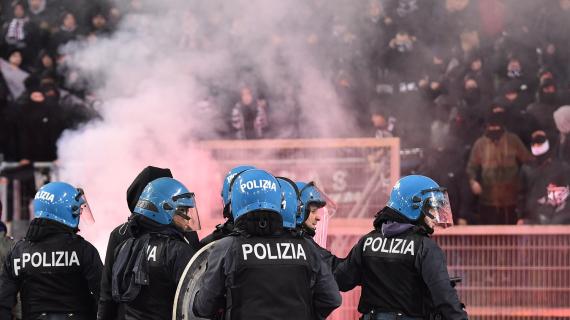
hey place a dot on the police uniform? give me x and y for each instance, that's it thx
(416, 268)
(225, 229)
(330, 259)
(280, 277)
(263, 271)
(56, 271)
(148, 265)
(159, 256)
(401, 270)
(221, 231)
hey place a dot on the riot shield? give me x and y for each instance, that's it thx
(188, 284)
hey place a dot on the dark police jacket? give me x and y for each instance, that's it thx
(330, 259)
(401, 270)
(222, 230)
(55, 271)
(146, 272)
(271, 277)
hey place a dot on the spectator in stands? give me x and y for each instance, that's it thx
(99, 24)
(469, 45)
(493, 171)
(441, 117)
(383, 123)
(20, 33)
(16, 59)
(445, 163)
(249, 115)
(517, 120)
(39, 125)
(477, 70)
(39, 14)
(543, 109)
(410, 14)
(469, 115)
(515, 73)
(562, 120)
(553, 58)
(404, 61)
(545, 185)
(44, 65)
(68, 31)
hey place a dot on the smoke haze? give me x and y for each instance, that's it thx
(160, 77)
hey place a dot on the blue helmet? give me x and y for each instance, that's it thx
(255, 190)
(227, 186)
(309, 194)
(61, 202)
(415, 195)
(291, 208)
(162, 198)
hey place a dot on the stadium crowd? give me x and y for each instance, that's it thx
(483, 87)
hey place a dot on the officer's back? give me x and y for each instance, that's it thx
(148, 266)
(262, 271)
(401, 270)
(56, 271)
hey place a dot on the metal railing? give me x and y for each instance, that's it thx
(509, 272)
(17, 186)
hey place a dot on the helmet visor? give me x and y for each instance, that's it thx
(319, 214)
(438, 208)
(191, 216)
(85, 213)
(319, 198)
(187, 209)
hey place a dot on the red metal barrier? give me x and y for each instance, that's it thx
(509, 272)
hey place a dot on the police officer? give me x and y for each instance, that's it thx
(224, 229)
(261, 272)
(56, 272)
(313, 201)
(149, 265)
(107, 306)
(402, 271)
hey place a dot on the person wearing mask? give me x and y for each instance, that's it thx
(56, 271)
(149, 265)
(493, 171)
(401, 270)
(543, 110)
(226, 228)
(241, 278)
(545, 185)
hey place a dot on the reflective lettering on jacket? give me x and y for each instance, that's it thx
(45, 260)
(273, 251)
(389, 245)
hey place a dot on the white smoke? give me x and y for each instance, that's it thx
(157, 75)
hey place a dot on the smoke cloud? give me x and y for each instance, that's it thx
(169, 76)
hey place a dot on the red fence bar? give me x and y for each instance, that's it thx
(509, 272)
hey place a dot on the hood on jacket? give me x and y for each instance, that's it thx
(147, 175)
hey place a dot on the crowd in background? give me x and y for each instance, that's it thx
(481, 86)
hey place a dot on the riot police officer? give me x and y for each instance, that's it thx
(224, 229)
(56, 272)
(107, 306)
(402, 271)
(261, 272)
(149, 265)
(313, 202)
